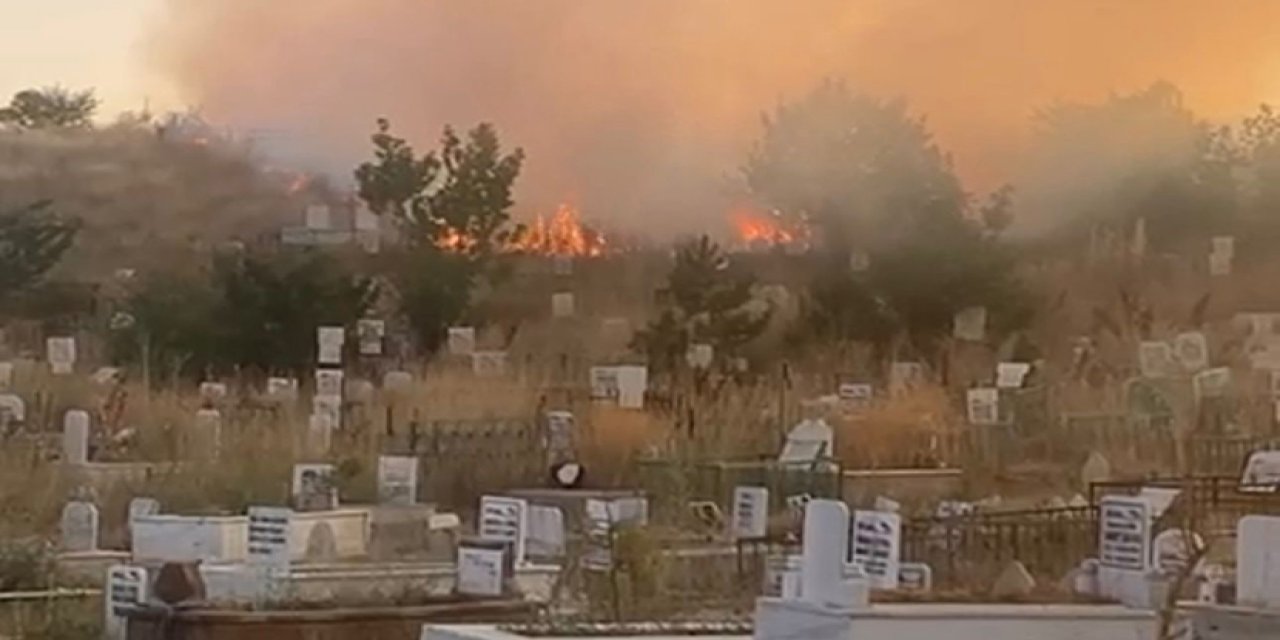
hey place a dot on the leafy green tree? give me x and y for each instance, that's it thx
(900, 248)
(50, 108)
(32, 241)
(434, 291)
(709, 301)
(459, 197)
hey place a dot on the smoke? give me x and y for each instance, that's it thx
(642, 111)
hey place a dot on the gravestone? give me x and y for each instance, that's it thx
(314, 488)
(61, 354)
(1155, 359)
(481, 569)
(700, 356)
(1211, 383)
(329, 345)
(268, 537)
(322, 545)
(823, 554)
(105, 376)
(488, 364)
(213, 391)
(1172, 548)
(604, 383)
(1010, 375)
(915, 576)
(1191, 350)
(970, 324)
(807, 442)
(546, 536)
(633, 382)
(209, 429)
(856, 395)
(282, 389)
(782, 576)
(1124, 533)
(983, 406)
(397, 480)
(750, 513)
(126, 590)
(79, 526)
(1258, 562)
(329, 383)
(505, 520)
(75, 437)
(905, 377)
(1096, 468)
(561, 305)
(12, 409)
(140, 508)
(1261, 472)
(1014, 582)
(462, 340)
(560, 436)
(875, 542)
(370, 332)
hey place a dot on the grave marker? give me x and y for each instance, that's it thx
(1257, 562)
(1261, 472)
(61, 354)
(314, 488)
(75, 437)
(857, 395)
(1211, 383)
(12, 408)
(320, 426)
(370, 332)
(1010, 375)
(750, 513)
(983, 406)
(398, 480)
(546, 537)
(915, 576)
(598, 555)
(141, 508)
(480, 571)
(1155, 359)
(1124, 533)
(1219, 264)
(329, 382)
(823, 552)
(79, 526)
(970, 324)
(462, 340)
(905, 377)
(875, 541)
(560, 436)
(268, 542)
(633, 382)
(213, 391)
(604, 383)
(330, 341)
(505, 520)
(209, 426)
(700, 356)
(126, 590)
(1172, 548)
(1191, 350)
(282, 389)
(488, 364)
(808, 441)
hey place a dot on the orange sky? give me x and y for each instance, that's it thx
(644, 109)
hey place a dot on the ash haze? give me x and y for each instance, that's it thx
(642, 110)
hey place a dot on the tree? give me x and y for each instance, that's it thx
(458, 198)
(32, 241)
(868, 176)
(1143, 155)
(709, 301)
(434, 293)
(50, 108)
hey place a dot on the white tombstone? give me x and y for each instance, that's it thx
(12, 408)
(79, 526)
(126, 590)
(397, 381)
(6, 375)
(268, 537)
(1191, 350)
(875, 543)
(105, 375)
(546, 537)
(61, 354)
(480, 571)
(1261, 472)
(970, 324)
(317, 217)
(398, 480)
(1155, 359)
(1124, 533)
(561, 304)
(505, 520)
(1211, 383)
(329, 382)
(700, 355)
(782, 577)
(604, 383)
(598, 555)
(462, 340)
(370, 332)
(1010, 375)
(1219, 264)
(488, 364)
(915, 576)
(1173, 548)
(75, 437)
(823, 555)
(856, 394)
(282, 389)
(750, 520)
(329, 344)
(808, 441)
(314, 487)
(213, 391)
(1258, 562)
(633, 382)
(983, 406)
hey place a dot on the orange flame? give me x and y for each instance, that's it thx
(560, 235)
(756, 228)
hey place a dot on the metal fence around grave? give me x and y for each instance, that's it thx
(460, 459)
(969, 550)
(672, 483)
(1207, 503)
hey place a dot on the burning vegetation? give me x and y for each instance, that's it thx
(561, 234)
(757, 229)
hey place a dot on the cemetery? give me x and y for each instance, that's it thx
(855, 399)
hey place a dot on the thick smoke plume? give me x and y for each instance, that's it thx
(642, 110)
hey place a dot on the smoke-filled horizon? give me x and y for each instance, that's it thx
(642, 112)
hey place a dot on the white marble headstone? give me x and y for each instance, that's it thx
(75, 436)
(875, 542)
(480, 571)
(970, 324)
(700, 355)
(546, 537)
(750, 518)
(633, 382)
(126, 590)
(506, 520)
(370, 332)
(823, 549)
(1258, 562)
(61, 354)
(1010, 375)
(807, 442)
(462, 340)
(268, 537)
(398, 480)
(79, 526)
(983, 406)
(1124, 533)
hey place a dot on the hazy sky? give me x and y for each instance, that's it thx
(81, 43)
